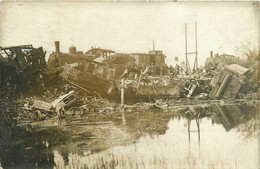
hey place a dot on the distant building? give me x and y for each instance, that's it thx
(154, 57)
(218, 61)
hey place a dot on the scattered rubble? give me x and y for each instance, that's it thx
(74, 84)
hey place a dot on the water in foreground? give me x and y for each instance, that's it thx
(202, 137)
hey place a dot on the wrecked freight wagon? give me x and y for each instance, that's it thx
(89, 79)
(103, 80)
(21, 66)
(227, 83)
(146, 87)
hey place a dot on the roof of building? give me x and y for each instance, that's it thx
(103, 50)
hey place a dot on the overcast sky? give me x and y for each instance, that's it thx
(131, 27)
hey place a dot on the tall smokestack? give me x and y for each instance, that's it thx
(57, 46)
(211, 54)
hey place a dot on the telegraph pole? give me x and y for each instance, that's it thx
(187, 65)
(186, 48)
(196, 43)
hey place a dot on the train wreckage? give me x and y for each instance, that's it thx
(21, 65)
(103, 73)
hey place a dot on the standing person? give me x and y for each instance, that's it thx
(171, 70)
(181, 71)
(178, 69)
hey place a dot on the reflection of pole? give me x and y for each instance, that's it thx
(123, 116)
(198, 125)
(189, 121)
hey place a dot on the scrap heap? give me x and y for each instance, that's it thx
(88, 78)
(21, 66)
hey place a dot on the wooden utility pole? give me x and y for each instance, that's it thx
(186, 50)
(122, 92)
(196, 44)
(187, 65)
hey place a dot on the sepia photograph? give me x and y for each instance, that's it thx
(129, 85)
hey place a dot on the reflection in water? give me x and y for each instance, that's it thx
(217, 148)
(229, 116)
(193, 115)
(198, 128)
(196, 137)
(123, 117)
